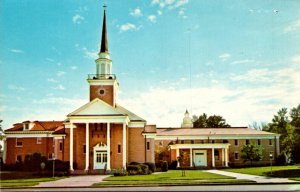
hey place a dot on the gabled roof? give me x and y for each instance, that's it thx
(98, 107)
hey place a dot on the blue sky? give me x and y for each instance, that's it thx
(238, 59)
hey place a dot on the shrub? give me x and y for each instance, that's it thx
(173, 165)
(134, 168)
(144, 168)
(119, 172)
(164, 166)
(62, 166)
(134, 163)
(151, 166)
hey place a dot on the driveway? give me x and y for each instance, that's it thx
(74, 181)
(256, 178)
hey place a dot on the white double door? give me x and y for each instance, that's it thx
(100, 159)
(200, 158)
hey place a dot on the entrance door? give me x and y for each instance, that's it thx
(100, 159)
(200, 158)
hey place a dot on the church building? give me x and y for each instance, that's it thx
(102, 135)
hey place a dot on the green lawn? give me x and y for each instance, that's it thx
(26, 182)
(291, 171)
(172, 177)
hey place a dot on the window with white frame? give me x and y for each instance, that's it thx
(270, 142)
(19, 142)
(236, 142)
(38, 140)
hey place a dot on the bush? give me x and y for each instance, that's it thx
(164, 166)
(151, 166)
(134, 163)
(173, 165)
(144, 168)
(119, 172)
(134, 169)
(62, 166)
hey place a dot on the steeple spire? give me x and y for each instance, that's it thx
(104, 42)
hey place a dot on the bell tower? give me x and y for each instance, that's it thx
(103, 84)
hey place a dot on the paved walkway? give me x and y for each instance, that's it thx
(74, 181)
(256, 178)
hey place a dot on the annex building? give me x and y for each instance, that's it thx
(104, 135)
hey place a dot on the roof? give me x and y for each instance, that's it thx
(98, 107)
(38, 126)
(150, 129)
(210, 131)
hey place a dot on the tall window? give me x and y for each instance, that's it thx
(217, 155)
(236, 142)
(148, 145)
(98, 157)
(270, 142)
(26, 127)
(258, 142)
(119, 148)
(19, 143)
(60, 146)
(19, 158)
(212, 141)
(38, 140)
(247, 141)
(104, 157)
(84, 149)
(192, 141)
(236, 156)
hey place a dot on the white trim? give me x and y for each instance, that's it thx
(136, 124)
(99, 119)
(200, 146)
(112, 82)
(124, 145)
(149, 135)
(108, 146)
(71, 146)
(31, 135)
(215, 137)
(87, 145)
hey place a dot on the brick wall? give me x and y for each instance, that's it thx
(29, 146)
(108, 97)
(136, 145)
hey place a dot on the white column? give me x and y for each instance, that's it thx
(124, 146)
(87, 146)
(213, 157)
(226, 157)
(191, 157)
(177, 155)
(108, 146)
(71, 147)
(223, 156)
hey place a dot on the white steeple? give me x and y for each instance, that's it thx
(187, 121)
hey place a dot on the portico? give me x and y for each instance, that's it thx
(200, 155)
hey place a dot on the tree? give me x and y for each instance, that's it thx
(288, 128)
(181, 159)
(214, 121)
(251, 152)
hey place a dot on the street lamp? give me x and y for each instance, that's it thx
(271, 158)
(53, 158)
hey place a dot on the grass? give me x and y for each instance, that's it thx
(291, 171)
(26, 182)
(172, 177)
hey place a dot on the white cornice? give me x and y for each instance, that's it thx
(113, 82)
(200, 146)
(204, 137)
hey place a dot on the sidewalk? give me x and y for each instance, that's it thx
(256, 178)
(74, 181)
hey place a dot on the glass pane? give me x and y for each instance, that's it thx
(104, 157)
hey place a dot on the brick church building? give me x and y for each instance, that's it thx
(104, 135)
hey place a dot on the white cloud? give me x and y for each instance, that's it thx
(60, 73)
(296, 58)
(170, 4)
(16, 88)
(240, 106)
(178, 3)
(16, 50)
(61, 101)
(137, 12)
(292, 27)
(128, 27)
(152, 18)
(59, 87)
(77, 19)
(52, 80)
(181, 13)
(90, 54)
(244, 61)
(49, 59)
(73, 67)
(224, 56)
(159, 12)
